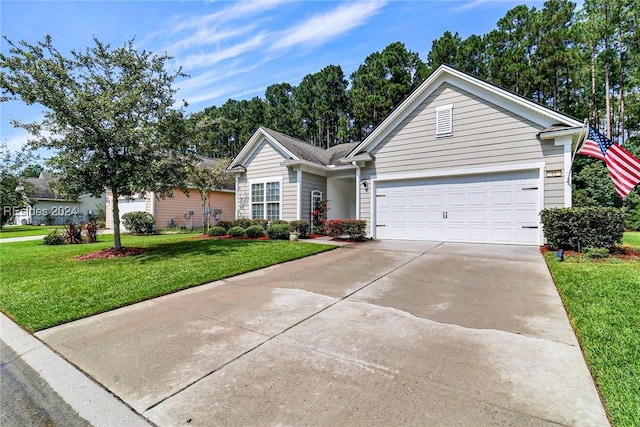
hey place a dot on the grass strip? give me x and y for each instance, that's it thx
(603, 302)
(27, 230)
(43, 286)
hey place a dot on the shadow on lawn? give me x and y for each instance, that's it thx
(168, 250)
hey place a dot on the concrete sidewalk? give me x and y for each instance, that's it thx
(377, 333)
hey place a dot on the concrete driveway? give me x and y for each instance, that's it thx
(377, 333)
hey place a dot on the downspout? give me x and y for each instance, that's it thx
(358, 177)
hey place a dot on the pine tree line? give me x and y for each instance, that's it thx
(585, 63)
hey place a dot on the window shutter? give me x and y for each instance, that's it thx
(444, 120)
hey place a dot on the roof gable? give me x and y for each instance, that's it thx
(291, 149)
(518, 105)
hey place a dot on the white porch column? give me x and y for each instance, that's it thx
(298, 194)
(358, 178)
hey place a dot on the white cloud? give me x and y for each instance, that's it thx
(17, 141)
(322, 27)
(479, 3)
(208, 59)
(206, 36)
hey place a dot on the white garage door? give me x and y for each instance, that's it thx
(135, 205)
(494, 208)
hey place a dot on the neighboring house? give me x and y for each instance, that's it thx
(180, 210)
(46, 207)
(459, 160)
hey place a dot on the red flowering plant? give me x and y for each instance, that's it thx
(319, 217)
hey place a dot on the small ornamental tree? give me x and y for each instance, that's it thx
(206, 177)
(109, 117)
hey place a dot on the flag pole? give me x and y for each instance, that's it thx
(573, 155)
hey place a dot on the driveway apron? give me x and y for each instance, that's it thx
(375, 333)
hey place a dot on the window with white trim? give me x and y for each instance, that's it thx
(444, 120)
(265, 200)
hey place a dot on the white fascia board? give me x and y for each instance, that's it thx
(363, 157)
(560, 133)
(315, 168)
(519, 106)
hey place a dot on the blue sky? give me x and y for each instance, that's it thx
(237, 49)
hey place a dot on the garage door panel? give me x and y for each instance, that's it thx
(525, 216)
(456, 199)
(416, 200)
(501, 216)
(492, 208)
(434, 200)
(477, 197)
(501, 197)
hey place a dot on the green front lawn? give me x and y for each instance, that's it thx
(27, 230)
(603, 302)
(43, 286)
(631, 238)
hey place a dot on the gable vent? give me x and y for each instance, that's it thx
(444, 120)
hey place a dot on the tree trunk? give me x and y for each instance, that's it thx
(203, 198)
(116, 221)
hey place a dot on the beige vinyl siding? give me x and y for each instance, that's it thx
(311, 182)
(175, 208)
(265, 163)
(483, 134)
(289, 196)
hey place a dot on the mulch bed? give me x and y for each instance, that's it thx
(111, 253)
(622, 253)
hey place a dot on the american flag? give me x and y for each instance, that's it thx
(623, 167)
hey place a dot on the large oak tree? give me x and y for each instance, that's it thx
(109, 117)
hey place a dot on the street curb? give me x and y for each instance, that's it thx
(87, 398)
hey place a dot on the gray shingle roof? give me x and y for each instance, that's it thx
(40, 188)
(309, 152)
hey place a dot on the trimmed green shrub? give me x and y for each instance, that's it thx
(241, 222)
(595, 253)
(300, 227)
(138, 222)
(354, 228)
(254, 231)
(278, 221)
(573, 228)
(261, 222)
(216, 231)
(225, 224)
(279, 231)
(236, 231)
(54, 238)
(633, 220)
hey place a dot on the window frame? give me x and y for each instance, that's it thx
(267, 199)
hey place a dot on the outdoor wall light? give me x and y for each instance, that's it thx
(365, 184)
